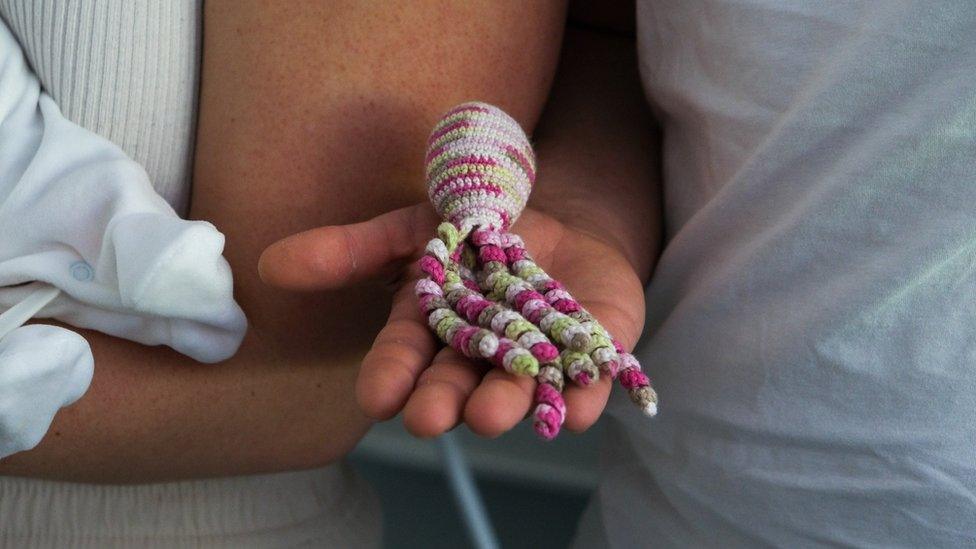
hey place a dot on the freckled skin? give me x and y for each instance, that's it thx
(294, 108)
(311, 113)
(594, 222)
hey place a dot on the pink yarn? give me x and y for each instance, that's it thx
(474, 310)
(449, 128)
(433, 268)
(631, 379)
(465, 303)
(463, 337)
(544, 352)
(547, 394)
(514, 254)
(553, 285)
(534, 315)
(491, 253)
(425, 301)
(486, 237)
(462, 183)
(504, 346)
(583, 379)
(526, 295)
(547, 421)
(527, 165)
(566, 306)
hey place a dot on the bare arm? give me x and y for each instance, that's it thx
(311, 113)
(593, 222)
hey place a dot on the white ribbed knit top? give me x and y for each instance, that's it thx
(129, 70)
(145, 100)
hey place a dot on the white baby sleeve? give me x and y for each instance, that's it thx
(42, 369)
(85, 239)
(78, 214)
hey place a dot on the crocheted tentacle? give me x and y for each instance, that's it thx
(605, 351)
(466, 298)
(493, 280)
(468, 340)
(550, 408)
(549, 411)
(636, 383)
(627, 369)
(444, 297)
(544, 301)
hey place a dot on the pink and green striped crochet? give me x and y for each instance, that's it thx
(483, 294)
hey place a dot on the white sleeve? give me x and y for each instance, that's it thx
(42, 369)
(78, 214)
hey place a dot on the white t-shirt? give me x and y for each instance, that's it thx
(810, 324)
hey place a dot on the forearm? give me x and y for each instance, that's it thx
(308, 117)
(598, 148)
(154, 415)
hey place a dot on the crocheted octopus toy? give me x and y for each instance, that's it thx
(483, 295)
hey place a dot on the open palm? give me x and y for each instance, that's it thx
(407, 369)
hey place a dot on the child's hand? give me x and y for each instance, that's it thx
(407, 369)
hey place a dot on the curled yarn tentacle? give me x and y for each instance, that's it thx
(545, 302)
(444, 297)
(483, 294)
(550, 410)
(604, 350)
(637, 384)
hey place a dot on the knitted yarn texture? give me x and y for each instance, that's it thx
(483, 294)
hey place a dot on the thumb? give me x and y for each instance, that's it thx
(335, 256)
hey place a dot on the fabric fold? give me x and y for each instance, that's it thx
(42, 369)
(78, 215)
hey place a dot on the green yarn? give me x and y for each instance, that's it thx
(570, 356)
(525, 364)
(444, 325)
(449, 234)
(517, 327)
(530, 269)
(502, 282)
(597, 341)
(560, 325)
